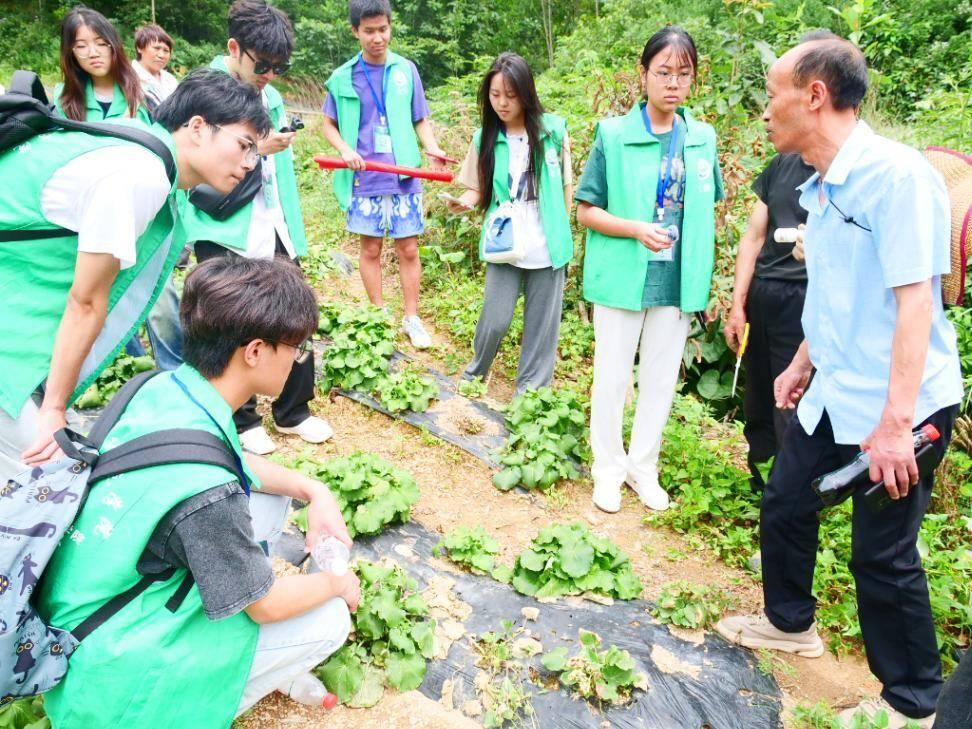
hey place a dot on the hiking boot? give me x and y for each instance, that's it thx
(868, 709)
(649, 491)
(417, 335)
(312, 429)
(607, 497)
(758, 632)
(256, 440)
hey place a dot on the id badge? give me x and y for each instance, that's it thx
(383, 140)
(269, 188)
(668, 254)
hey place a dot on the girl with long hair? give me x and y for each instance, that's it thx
(648, 197)
(99, 81)
(520, 159)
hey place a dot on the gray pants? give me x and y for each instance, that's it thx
(543, 296)
(18, 434)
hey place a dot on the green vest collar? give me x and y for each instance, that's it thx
(634, 131)
(206, 394)
(343, 73)
(117, 110)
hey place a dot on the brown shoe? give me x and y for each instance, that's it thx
(758, 632)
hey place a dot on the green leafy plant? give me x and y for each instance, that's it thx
(608, 676)
(472, 548)
(506, 702)
(568, 559)
(548, 436)
(392, 638)
(110, 381)
(25, 714)
(472, 388)
(690, 606)
(370, 492)
(361, 344)
(407, 390)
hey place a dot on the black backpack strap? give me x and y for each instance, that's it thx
(114, 606)
(116, 406)
(29, 84)
(175, 602)
(176, 445)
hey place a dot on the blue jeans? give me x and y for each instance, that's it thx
(164, 330)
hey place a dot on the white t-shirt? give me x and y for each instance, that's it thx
(528, 222)
(109, 196)
(157, 89)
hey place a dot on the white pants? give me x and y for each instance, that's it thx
(289, 648)
(662, 331)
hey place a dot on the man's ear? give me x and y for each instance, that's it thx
(817, 94)
(233, 47)
(251, 352)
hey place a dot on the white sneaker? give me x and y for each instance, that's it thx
(256, 440)
(313, 429)
(649, 491)
(758, 632)
(868, 709)
(607, 497)
(420, 338)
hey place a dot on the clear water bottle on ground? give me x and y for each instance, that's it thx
(308, 689)
(331, 555)
(837, 486)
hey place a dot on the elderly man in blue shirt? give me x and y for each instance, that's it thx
(879, 360)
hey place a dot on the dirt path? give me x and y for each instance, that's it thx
(456, 489)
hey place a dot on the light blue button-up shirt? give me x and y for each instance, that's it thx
(850, 310)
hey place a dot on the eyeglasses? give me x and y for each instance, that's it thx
(86, 51)
(682, 79)
(252, 152)
(261, 66)
(301, 351)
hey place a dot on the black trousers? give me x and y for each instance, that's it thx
(955, 703)
(892, 594)
(773, 310)
(291, 407)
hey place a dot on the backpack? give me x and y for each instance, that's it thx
(38, 508)
(25, 112)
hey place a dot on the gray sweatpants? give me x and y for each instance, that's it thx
(543, 296)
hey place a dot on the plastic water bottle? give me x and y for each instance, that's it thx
(331, 555)
(307, 689)
(786, 235)
(837, 486)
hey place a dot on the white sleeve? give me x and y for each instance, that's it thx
(109, 196)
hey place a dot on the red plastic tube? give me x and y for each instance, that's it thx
(336, 163)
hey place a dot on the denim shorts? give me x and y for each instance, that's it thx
(395, 216)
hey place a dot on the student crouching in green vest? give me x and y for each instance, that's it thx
(70, 303)
(376, 110)
(272, 224)
(518, 168)
(648, 197)
(99, 80)
(240, 632)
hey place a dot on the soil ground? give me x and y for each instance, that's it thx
(456, 489)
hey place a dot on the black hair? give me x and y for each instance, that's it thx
(678, 40)
(359, 10)
(838, 63)
(517, 74)
(262, 28)
(229, 301)
(218, 98)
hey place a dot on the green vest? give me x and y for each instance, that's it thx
(117, 110)
(35, 276)
(615, 268)
(233, 231)
(146, 666)
(553, 208)
(398, 103)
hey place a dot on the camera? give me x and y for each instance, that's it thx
(295, 125)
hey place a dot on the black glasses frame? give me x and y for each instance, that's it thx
(261, 66)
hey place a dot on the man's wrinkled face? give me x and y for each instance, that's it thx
(786, 112)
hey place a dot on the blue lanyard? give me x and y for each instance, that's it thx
(374, 94)
(663, 180)
(236, 456)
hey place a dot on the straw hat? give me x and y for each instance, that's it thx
(956, 169)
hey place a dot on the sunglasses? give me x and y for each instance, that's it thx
(261, 66)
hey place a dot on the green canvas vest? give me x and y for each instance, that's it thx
(398, 103)
(145, 666)
(36, 276)
(615, 268)
(553, 207)
(117, 110)
(233, 232)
